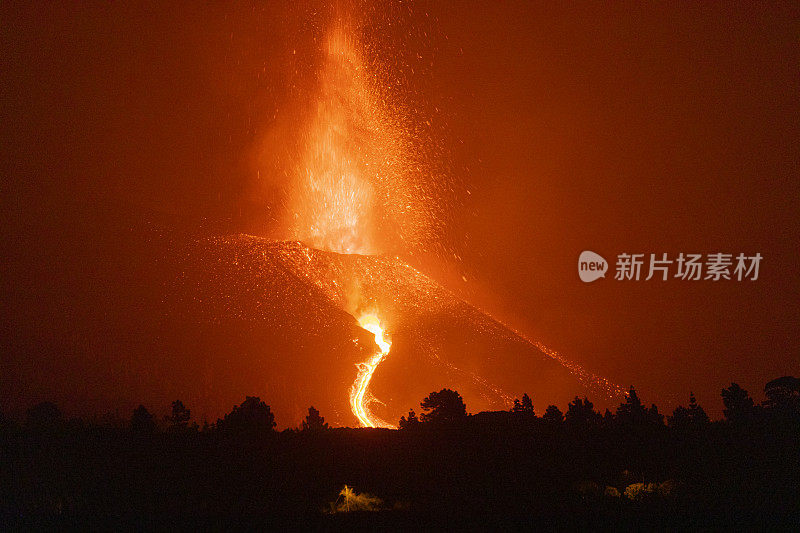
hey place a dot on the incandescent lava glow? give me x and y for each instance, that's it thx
(333, 201)
(357, 183)
(359, 395)
(354, 190)
(359, 177)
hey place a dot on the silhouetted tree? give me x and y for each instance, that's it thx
(553, 415)
(410, 422)
(680, 419)
(313, 421)
(581, 413)
(694, 417)
(253, 416)
(783, 393)
(443, 406)
(632, 413)
(179, 419)
(142, 422)
(615, 475)
(654, 417)
(43, 416)
(523, 406)
(698, 413)
(739, 405)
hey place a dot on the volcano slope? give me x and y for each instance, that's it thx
(279, 320)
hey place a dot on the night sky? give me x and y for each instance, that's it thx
(553, 130)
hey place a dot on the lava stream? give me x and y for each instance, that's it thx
(359, 399)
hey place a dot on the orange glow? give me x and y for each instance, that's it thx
(360, 186)
(353, 188)
(353, 191)
(359, 396)
(333, 199)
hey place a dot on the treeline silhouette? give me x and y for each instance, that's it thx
(631, 467)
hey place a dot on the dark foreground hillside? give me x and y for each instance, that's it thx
(625, 470)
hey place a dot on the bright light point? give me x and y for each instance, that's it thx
(372, 324)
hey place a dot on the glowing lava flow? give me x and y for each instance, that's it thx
(358, 393)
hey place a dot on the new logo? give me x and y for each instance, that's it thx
(591, 266)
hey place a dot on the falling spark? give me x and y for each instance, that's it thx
(359, 399)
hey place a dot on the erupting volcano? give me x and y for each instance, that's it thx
(357, 192)
(328, 311)
(310, 326)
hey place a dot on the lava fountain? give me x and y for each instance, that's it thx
(359, 396)
(357, 186)
(332, 198)
(350, 192)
